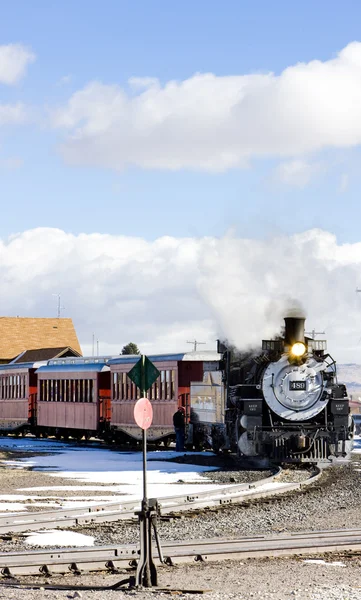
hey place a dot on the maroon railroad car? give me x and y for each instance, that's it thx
(73, 397)
(18, 388)
(170, 390)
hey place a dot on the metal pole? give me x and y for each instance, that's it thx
(144, 437)
(145, 500)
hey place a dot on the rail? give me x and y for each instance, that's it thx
(114, 511)
(116, 557)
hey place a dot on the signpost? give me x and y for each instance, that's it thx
(144, 374)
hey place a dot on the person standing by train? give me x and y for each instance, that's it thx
(179, 428)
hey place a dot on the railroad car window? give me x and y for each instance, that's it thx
(172, 391)
(124, 377)
(115, 380)
(161, 385)
(156, 389)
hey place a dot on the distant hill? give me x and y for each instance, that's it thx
(350, 375)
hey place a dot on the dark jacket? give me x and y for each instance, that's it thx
(178, 420)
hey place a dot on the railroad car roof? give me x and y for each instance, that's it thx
(22, 366)
(205, 356)
(68, 368)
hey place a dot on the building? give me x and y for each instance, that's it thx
(21, 334)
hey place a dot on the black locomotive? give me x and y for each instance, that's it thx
(284, 404)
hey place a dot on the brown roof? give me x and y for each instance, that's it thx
(44, 354)
(21, 333)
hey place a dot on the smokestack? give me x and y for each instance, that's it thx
(295, 330)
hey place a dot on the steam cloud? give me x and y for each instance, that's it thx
(164, 293)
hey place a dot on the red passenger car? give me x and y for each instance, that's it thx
(73, 397)
(170, 390)
(18, 387)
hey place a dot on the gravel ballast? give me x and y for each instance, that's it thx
(331, 503)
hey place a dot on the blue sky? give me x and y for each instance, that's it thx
(113, 41)
(234, 124)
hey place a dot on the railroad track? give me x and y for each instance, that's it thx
(117, 557)
(114, 511)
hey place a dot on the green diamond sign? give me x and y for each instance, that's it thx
(144, 373)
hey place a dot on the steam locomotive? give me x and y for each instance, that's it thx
(283, 404)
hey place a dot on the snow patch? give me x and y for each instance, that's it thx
(59, 538)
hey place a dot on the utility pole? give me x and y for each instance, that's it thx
(60, 307)
(313, 333)
(195, 344)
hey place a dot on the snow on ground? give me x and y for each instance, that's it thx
(59, 538)
(316, 561)
(120, 473)
(357, 445)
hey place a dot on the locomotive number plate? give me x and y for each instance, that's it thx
(298, 385)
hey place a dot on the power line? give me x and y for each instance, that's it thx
(195, 344)
(313, 333)
(60, 307)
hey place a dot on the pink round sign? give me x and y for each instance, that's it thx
(143, 413)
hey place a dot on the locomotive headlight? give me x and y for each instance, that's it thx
(298, 349)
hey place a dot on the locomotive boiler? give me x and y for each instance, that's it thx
(284, 404)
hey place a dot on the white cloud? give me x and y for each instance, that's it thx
(65, 80)
(12, 114)
(163, 293)
(216, 123)
(14, 59)
(297, 173)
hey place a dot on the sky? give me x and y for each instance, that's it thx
(180, 171)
